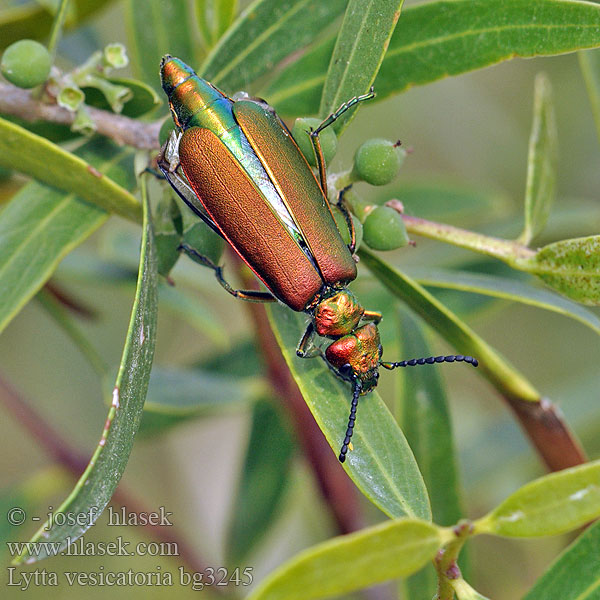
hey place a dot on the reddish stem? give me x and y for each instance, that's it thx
(69, 301)
(549, 433)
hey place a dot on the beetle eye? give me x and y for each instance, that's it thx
(380, 350)
(346, 371)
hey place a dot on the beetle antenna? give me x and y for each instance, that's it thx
(351, 419)
(430, 360)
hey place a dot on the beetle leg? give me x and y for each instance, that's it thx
(155, 173)
(248, 295)
(306, 348)
(316, 143)
(342, 109)
(185, 192)
(372, 316)
(349, 222)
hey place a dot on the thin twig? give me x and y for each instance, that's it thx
(72, 304)
(507, 250)
(123, 130)
(549, 433)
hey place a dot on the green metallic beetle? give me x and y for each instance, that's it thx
(237, 166)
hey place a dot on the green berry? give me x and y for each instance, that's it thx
(378, 161)
(342, 225)
(301, 130)
(26, 63)
(165, 130)
(384, 229)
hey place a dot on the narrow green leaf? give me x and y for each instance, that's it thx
(297, 89)
(355, 561)
(541, 163)
(65, 321)
(361, 45)
(156, 28)
(449, 37)
(506, 288)
(37, 228)
(167, 232)
(425, 420)
(178, 395)
(214, 18)
(201, 237)
(574, 575)
(96, 485)
(144, 99)
(55, 132)
(497, 369)
(41, 225)
(191, 391)
(205, 19)
(33, 21)
(382, 464)
(266, 33)
(549, 505)
(225, 11)
(263, 481)
(85, 267)
(241, 360)
(39, 158)
(571, 267)
(589, 62)
(199, 313)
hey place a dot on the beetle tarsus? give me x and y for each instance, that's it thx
(248, 295)
(349, 222)
(342, 109)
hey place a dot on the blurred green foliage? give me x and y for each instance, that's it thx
(213, 448)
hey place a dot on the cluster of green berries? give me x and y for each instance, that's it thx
(376, 162)
(26, 64)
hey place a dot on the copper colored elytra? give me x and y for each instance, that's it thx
(237, 166)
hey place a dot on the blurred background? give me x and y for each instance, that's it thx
(469, 138)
